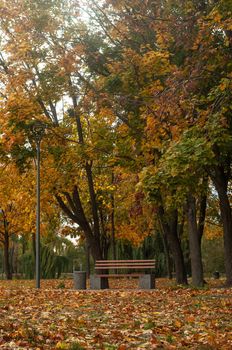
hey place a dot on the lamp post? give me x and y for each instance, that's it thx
(38, 130)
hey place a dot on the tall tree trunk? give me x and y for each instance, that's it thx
(13, 258)
(73, 205)
(94, 237)
(194, 244)
(221, 183)
(167, 256)
(202, 209)
(95, 249)
(7, 267)
(104, 237)
(170, 230)
(23, 241)
(87, 252)
(113, 242)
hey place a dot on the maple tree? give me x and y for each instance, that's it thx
(131, 85)
(207, 135)
(44, 63)
(16, 210)
(161, 76)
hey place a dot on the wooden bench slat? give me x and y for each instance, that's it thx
(124, 263)
(108, 265)
(124, 267)
(121, 275)
(128, 261)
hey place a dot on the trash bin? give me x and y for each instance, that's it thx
(79, 279)
(216, 275)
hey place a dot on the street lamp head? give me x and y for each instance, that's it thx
(38, 130)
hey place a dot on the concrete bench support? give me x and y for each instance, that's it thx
(97, 282)
(147, 281)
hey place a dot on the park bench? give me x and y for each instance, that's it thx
(121, 268)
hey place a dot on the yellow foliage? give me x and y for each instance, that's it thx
(213, 231)
(131, 234)
(16, 201)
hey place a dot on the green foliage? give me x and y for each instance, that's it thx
(151, 248)
(213, 262)
(27, 265)
(57, 255)
(113, 84)
(52, 264)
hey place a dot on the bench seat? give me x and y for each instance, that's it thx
(120, 269)
(116, 275)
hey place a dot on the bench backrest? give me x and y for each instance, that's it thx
(124, 264)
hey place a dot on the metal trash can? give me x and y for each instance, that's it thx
(216, 275)
(79, 279)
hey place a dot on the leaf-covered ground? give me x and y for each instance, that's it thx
(57, 317)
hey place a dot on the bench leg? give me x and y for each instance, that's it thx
(147, 281)
(97, 282)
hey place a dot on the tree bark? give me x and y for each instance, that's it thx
(74, 210)
(87, 252)
(194, 243)
(7, 266)
(202, 209)
(167, 255)
(170, 230)
(221, 183)
(72, 205)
